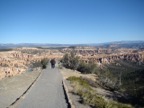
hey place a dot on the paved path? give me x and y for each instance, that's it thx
(13, 87)
(47, 92)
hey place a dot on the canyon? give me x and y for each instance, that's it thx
(107, 55)
(18, 60)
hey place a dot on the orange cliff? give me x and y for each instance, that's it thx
(106, 55)
(17, 61)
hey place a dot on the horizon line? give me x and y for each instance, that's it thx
(75, 43)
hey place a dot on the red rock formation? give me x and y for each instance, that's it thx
(16, 61)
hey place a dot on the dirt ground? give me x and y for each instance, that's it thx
(68, 73)
(107, 95)
(74, 99)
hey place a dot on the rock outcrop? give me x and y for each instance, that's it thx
(18, 60)
(107, 55)
(133, 57)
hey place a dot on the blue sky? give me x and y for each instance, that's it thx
(71, 21)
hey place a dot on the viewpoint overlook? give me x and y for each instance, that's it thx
(27, 79)
(71, 53)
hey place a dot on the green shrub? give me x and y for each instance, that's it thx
(44, 63)
(86, 67)
(70, 61)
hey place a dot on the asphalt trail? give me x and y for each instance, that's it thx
(46, 92)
